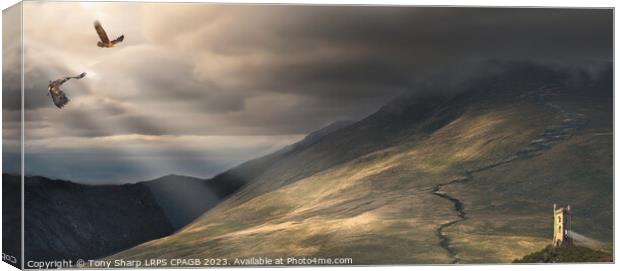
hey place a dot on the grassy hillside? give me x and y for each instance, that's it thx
(427, 180)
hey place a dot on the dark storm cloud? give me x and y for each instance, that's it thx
(353, 53)
(460, 30)
(259, 77)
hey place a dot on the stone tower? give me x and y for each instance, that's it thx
(561, 226)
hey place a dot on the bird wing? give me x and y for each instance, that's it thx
(58, 97)
(102, 35)
(79, 76)
(119, 39)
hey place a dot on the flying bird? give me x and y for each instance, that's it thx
(58, 96)
(104, 40)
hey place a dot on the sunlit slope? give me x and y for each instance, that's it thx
(575, 167)
(439, 181)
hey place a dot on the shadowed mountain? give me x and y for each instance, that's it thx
(426, 179)
(65, 220)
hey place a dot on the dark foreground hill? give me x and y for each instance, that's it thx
(566, 254)
(65, 220)
(426, 179)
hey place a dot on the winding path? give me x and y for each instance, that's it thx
(444, 240)
(568, 123)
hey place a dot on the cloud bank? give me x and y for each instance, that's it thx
(215, 85)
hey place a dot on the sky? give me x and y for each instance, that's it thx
(195, 89)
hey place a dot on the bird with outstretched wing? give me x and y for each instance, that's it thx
(59, 97)
(104, 40)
